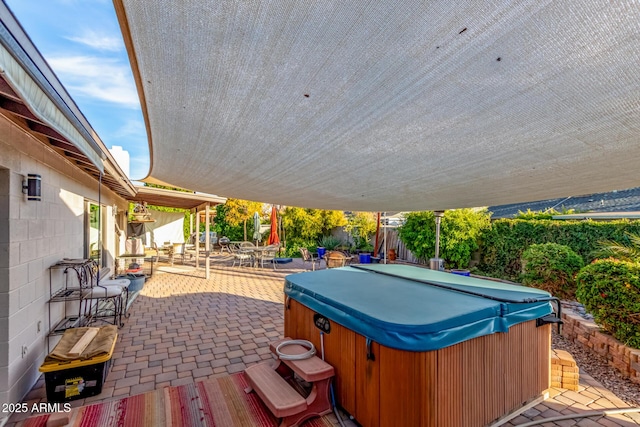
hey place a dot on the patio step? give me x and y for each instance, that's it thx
(281, 399)
(311, 370)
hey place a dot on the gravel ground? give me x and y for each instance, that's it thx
(597, 367)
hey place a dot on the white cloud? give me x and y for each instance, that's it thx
(99, 78)
(139, 166)
(131, 128)
(99, 41)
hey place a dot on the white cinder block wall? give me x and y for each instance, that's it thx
(33, 236)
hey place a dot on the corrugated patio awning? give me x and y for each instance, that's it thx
(376, 105)
(32, 97)
(175, 199)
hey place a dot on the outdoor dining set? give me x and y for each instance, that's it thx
(246, 253)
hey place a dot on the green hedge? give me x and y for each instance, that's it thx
(610, 290)
(502, 245)
(551, 267)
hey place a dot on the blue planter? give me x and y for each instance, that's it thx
(137, 281)
(365, 258)
(321, 252)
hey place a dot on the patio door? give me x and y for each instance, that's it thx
(94, 232)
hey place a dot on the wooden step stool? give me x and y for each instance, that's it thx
(269, 383)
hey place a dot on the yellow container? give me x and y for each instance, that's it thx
(76, 379)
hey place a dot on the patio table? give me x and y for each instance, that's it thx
(257, 251)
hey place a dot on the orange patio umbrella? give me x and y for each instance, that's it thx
(273, 235)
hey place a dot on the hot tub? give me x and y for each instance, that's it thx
(419, 347)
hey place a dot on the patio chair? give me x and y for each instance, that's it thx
(348, 257)
(104, 298)
(175, 250)
(335, 259)
(308, 257)
(242, 254)
(268, 254)
(183, 250)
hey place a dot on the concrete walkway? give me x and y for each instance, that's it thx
(184, 328)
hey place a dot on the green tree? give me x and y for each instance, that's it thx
(460, 231)
(301, 223)
(361, 226)
(305, 227)
(331, 220)
(223, 227)
(239, 211)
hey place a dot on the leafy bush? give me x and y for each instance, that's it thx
(330, 243)
(502, 244)
(551, 267)
(610, 290)
(460, 230)
(293, 247)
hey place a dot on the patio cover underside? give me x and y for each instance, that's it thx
(375, 105)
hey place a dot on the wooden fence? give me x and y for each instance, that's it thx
(393, 241)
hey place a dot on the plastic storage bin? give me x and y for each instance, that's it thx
(76, 379)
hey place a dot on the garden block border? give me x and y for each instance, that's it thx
(564, 371)
(588, 334)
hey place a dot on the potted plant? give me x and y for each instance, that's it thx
(140, 212)
(330, 243)
(363, 246)
(364, 249)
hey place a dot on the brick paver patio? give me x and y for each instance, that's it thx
(184, 328)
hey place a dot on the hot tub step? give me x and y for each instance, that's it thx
(311, 370)
(281, 399)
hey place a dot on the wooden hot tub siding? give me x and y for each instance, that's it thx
(468, 384)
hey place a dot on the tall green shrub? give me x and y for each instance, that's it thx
(294, 244)
(310, 224)
(610, 290)
(361, 226)
(551, 267)
(459, 233)
(502, 244)
(224, 227)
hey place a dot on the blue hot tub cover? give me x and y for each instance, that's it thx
(392, 305)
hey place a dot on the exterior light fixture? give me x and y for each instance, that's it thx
(32, 187)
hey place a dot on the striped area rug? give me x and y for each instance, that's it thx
(219, 402)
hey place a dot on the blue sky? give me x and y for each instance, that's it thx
(82, 42)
